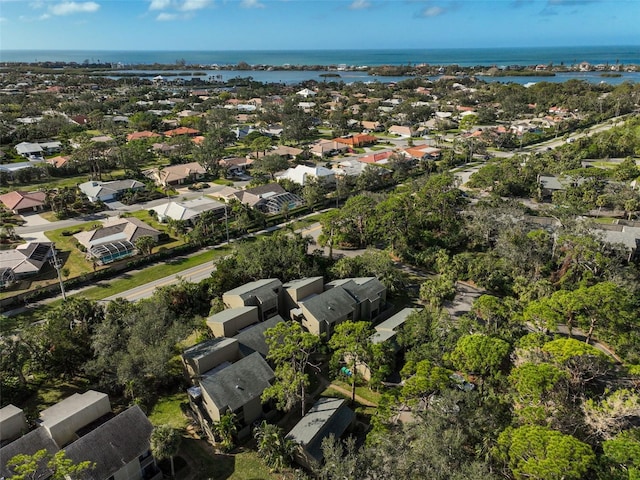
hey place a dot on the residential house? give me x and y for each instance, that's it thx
(60, 161)
(626, 235)
(386, 332)
(85, 428)
(237, 389)
(23, 261)
(320, 314)
(356, 141)
(270, 198)
(120, 449)
(355, 168)
(379, 158)
(251, 339)
(188, 210)
(115, 239)
(327, 148)
(372, 126)
(301, 174)
(35, 151)
(109, 191)
(423, 152)
(34, 441)
(12, 168)
(265, 294)
(142, 135)
(297, 290)
(205, 356)
(20, 202)
(402, 131)
(369, 293)
(235, 165)
(177, 174)
(65, 418)
(327, 417)
(13, 423)
(284, 151)
(306, 93)
(230, 321)
(176, 132)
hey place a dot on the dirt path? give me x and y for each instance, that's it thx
(347, 393)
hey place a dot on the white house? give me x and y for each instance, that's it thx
(301, 173)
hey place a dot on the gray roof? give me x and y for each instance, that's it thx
(205, 348)
(253, 336)
(95, 188)
(392, 323)
(113, 444)
(330, 305)
(239, 383)
(300, 282)
(328, 416)
(628, 236)
(231, 313)
(256, 288)
(361, 288)
(28, 444)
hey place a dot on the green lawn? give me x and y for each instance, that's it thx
(167, 411)
(150, 274)
(362, 391)
(207, 464)
(74, 259)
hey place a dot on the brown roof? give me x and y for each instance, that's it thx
(181, 131)
(130, 228)
(20, 200)
(139, 135)
(357, 140)
(59, 161)
(177, 172)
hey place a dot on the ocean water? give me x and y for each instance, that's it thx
(459, 56)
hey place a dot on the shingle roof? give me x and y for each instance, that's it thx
(19, 200)
(113, 444)
(239, 383)
(205, 348)
(253, 337)
(28, 444)
(329, 416)
(330, 305)
(129, 229)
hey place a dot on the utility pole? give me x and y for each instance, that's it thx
(57, 264)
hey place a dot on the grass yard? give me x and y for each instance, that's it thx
(362, 391)
(167, 411)
(74, 259)
(47, 394)
(204, 463)
(152, 273)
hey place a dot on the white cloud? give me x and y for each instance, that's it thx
(44, 16)
(3, 19)
(251, 4)
(159, 4)
(191, 5)
(360, 5)
(68, 8)
(166, 17)
(432, 11)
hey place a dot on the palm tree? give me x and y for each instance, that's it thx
(226, 428)
(165, 443)
(276, 450)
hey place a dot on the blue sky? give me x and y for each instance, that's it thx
(314, 24)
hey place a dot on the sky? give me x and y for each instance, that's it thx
(314, 24)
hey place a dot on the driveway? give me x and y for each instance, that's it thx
(34, 220)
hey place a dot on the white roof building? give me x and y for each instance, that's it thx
(188, 209)
(301, 173)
